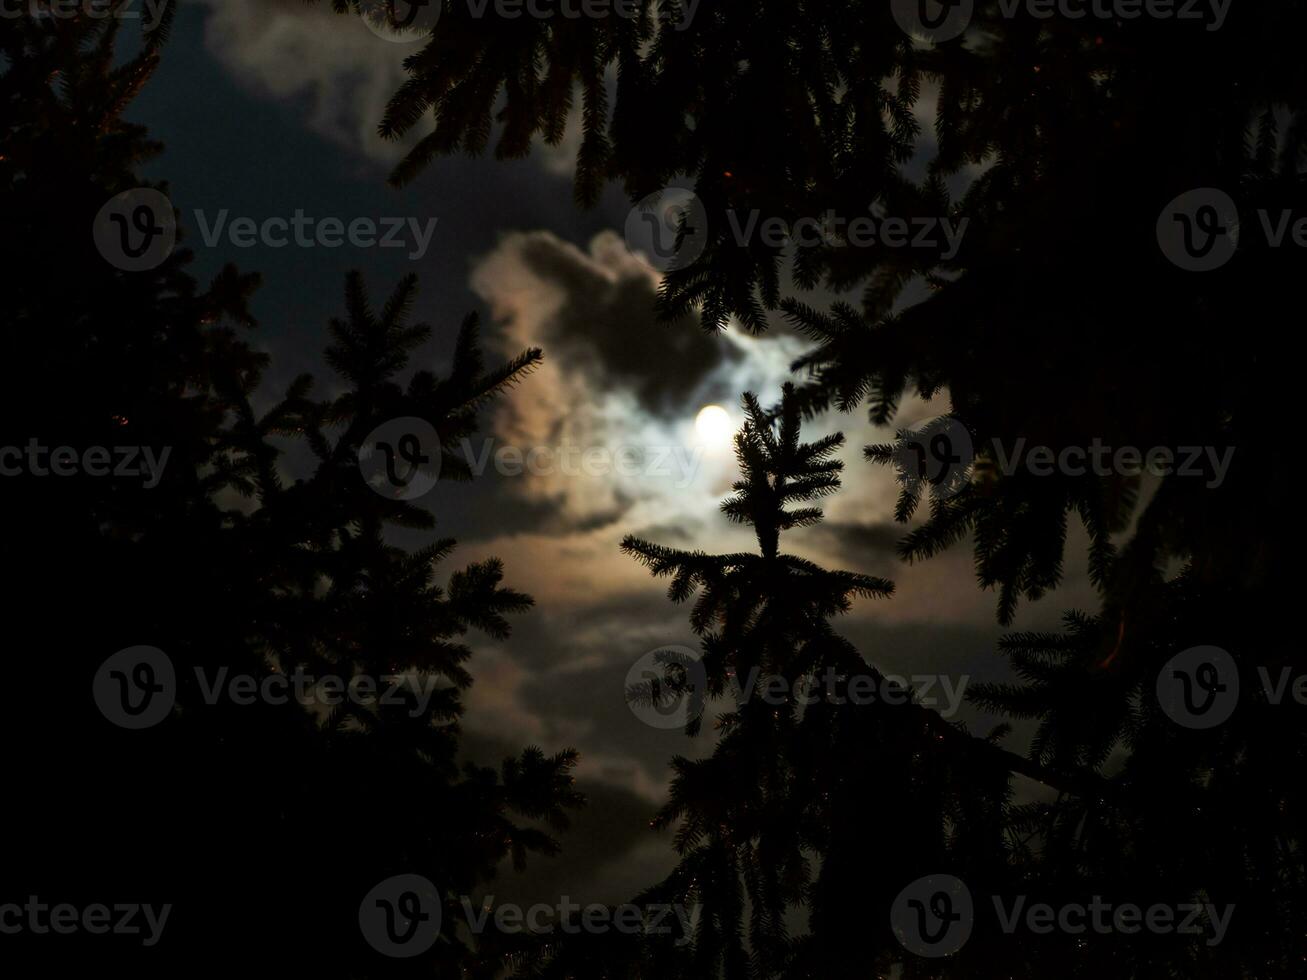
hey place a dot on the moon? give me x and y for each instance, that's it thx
(713, 425)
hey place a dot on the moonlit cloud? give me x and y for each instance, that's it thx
(334, 66)
(612, 409)
(560, 679)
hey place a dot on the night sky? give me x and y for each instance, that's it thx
(269, 107)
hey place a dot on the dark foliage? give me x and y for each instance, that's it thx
(263, 825)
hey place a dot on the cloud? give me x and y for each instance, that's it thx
(610, 413)
(561, 681)
(614, 375)
(337, 68)
(331, 64)
(864, 544)
(594, 311)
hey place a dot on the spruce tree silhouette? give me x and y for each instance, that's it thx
(1058, 322)
(262, 825)
(816, 805)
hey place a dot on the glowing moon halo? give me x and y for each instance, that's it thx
(713, 425)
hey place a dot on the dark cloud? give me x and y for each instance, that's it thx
(488, 509)
(860, 546)
(617, 628)
(685, 533)
(606, 321)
